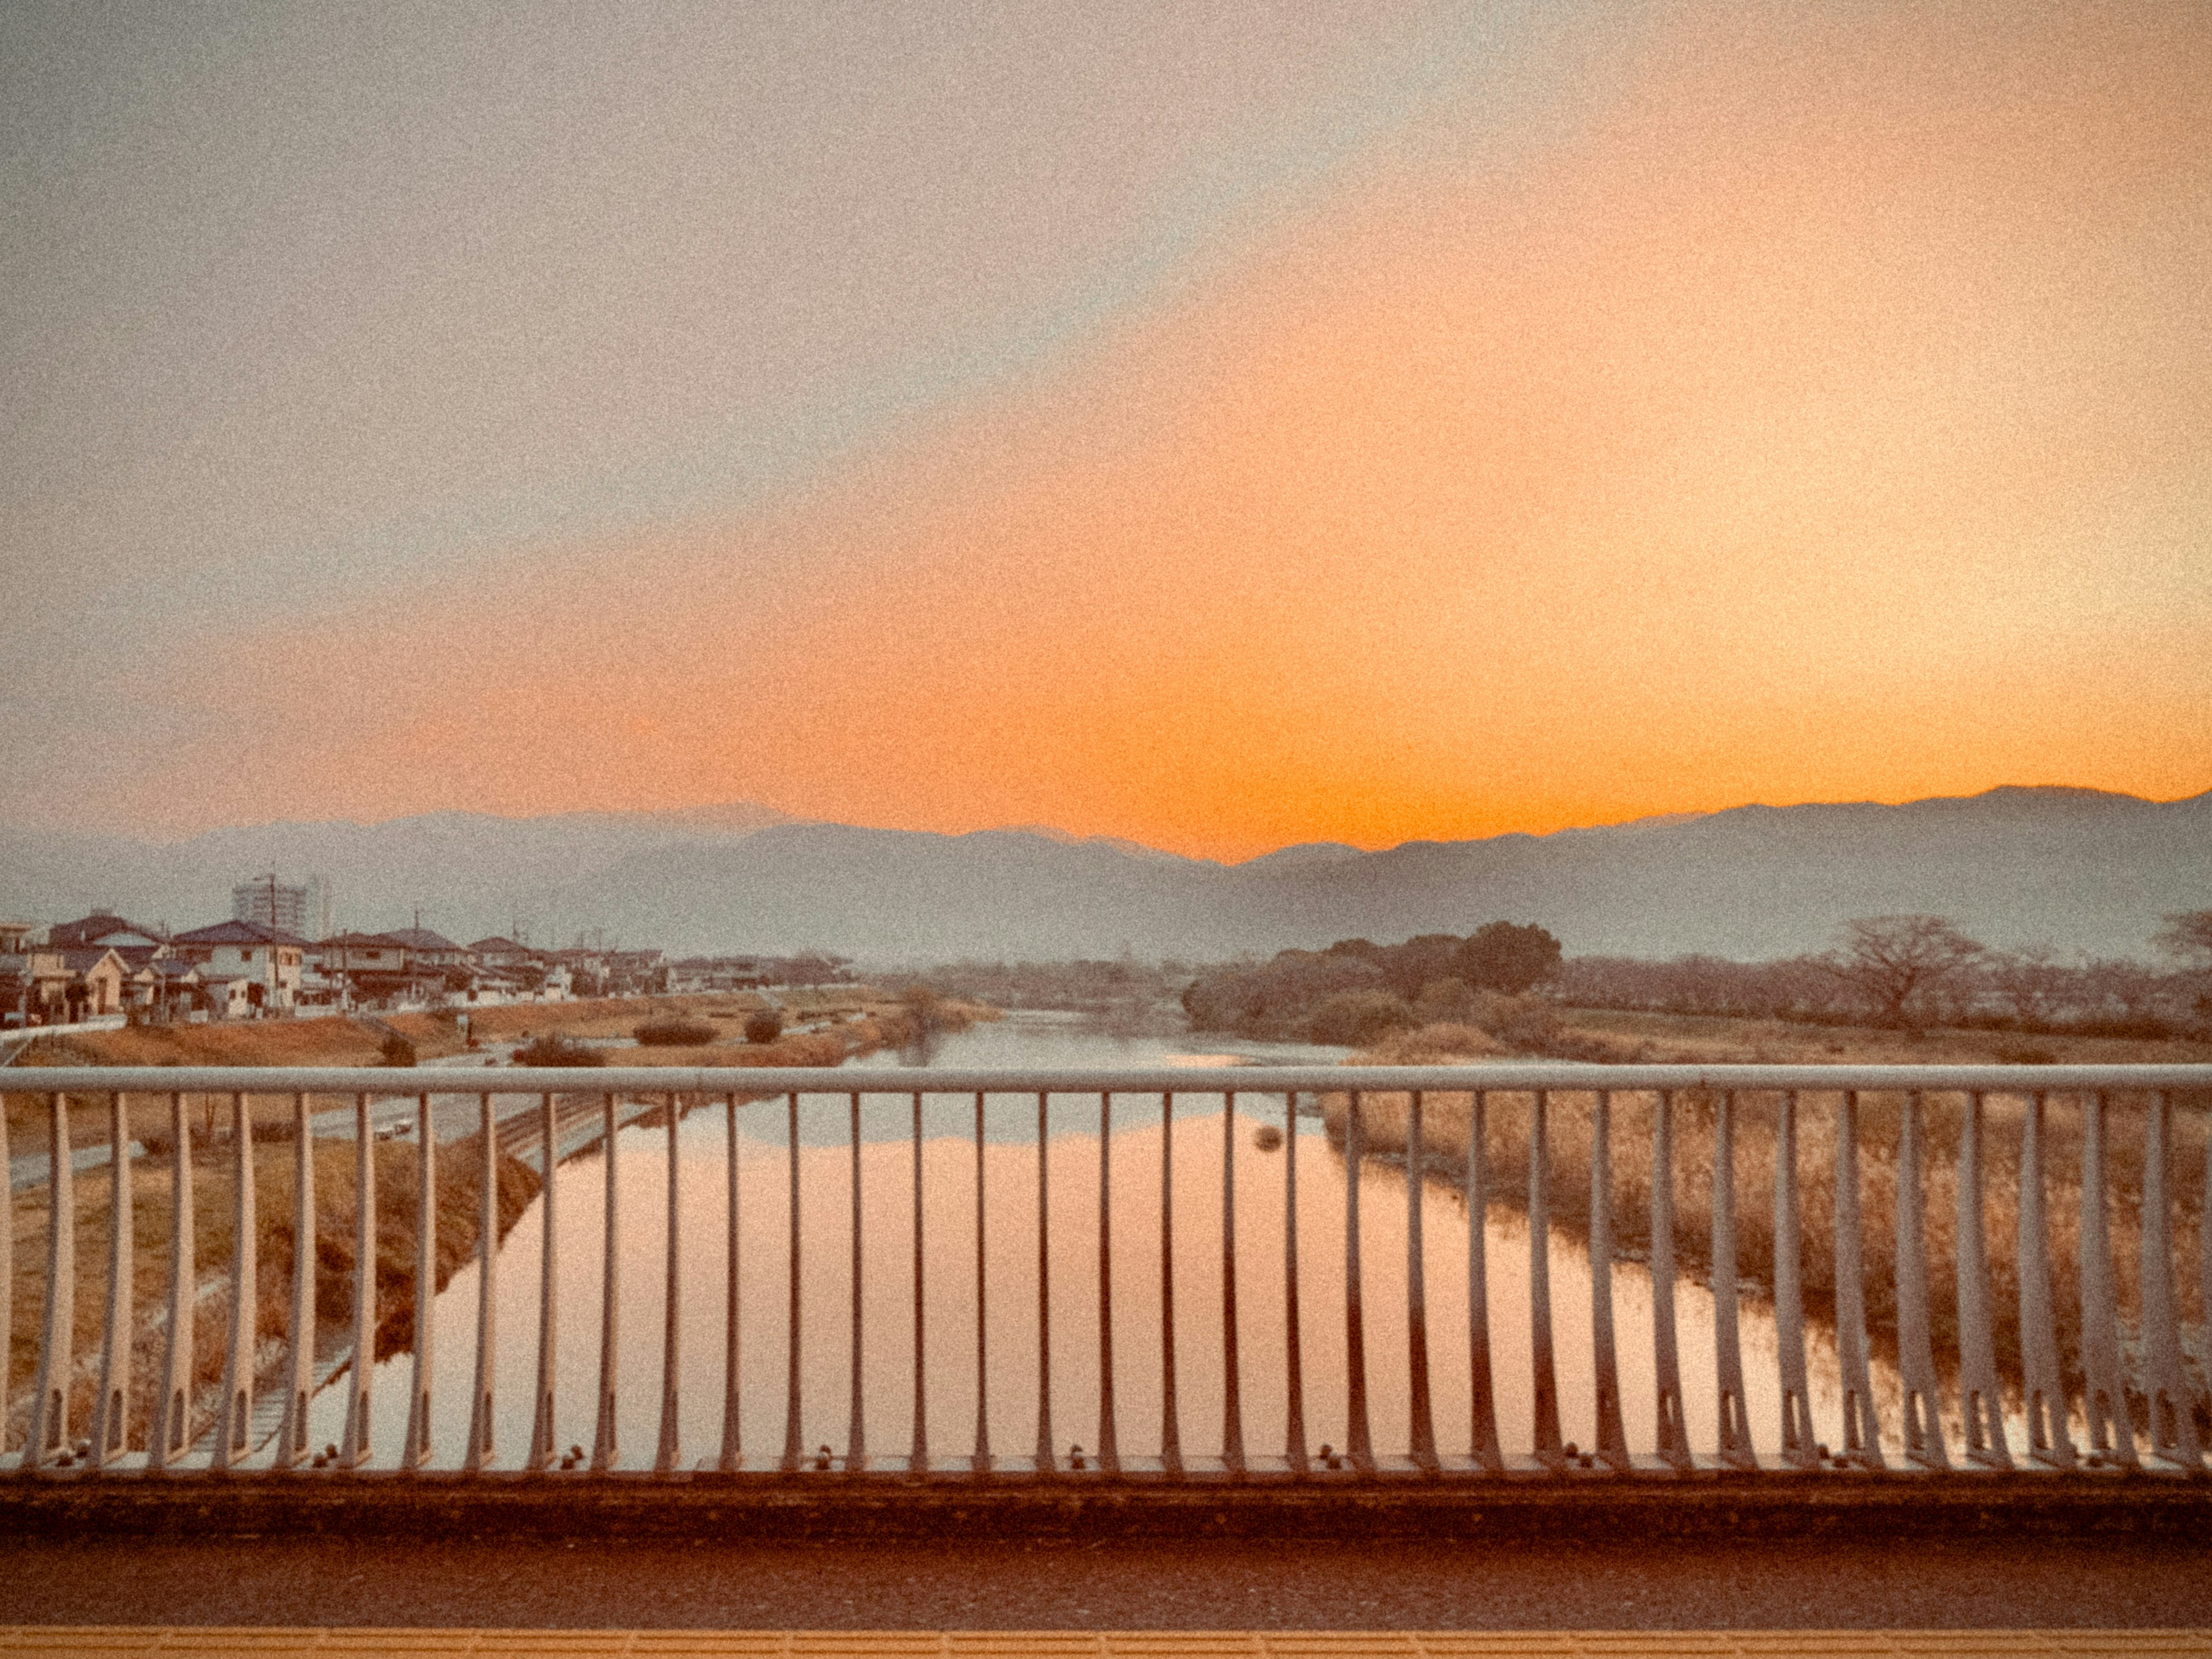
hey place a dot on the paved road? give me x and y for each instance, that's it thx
(706, 1583)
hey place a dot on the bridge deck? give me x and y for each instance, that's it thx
(217, 1643)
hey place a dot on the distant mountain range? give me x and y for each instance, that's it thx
(2080, 869)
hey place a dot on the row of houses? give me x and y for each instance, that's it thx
(102, 965)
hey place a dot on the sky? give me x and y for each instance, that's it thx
(1223, 425)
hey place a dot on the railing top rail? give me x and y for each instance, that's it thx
(1500, 1075)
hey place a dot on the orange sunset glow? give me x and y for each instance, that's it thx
(1804, 407)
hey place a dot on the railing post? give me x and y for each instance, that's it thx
(1549, 1450)
(1046, 1463)
(480, 1409)
(1294, 1405)
(1232, 1413)
(353, 1452)
(2045, 1391)
(1982, 1401)
(1735, 1447)
(1612, 1435)
(48, 1430)
(1358, 1442)
(669, 1452)
(1483, 1406)
(856, 1432)
(172, 1426)
(2110, 1432)
(417, 1449)
(544, 1447)
(111, 1416)
(1110, 1451)
(1673, 1434)
(1915, 1353)
(300, 1335)
(1862, 1428)
(1417, 1299)
(980, 1459)
(604, 1447)
(1797, 1442)
(794, 1444)
(733, 1453)
(234, 1424)
(2172, 1423)
(8, 1290)
(1170, 1430)
(918, 1458)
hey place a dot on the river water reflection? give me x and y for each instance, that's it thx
(1206, 1137)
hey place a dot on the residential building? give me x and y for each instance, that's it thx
(302, 908)
(269, 960)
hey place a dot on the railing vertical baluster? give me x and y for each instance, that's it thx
(171, 1430)
(1861, 1427)
(669, 1451)
(733, 1453)
(1482, 1398)
(49, 1426)
(1232, 1406)
(1417, 1297)
(1110, 1451)
(604, 1449)
(794, 1445)
(299, 1335)
(480, 1399)
(1548, 1447)
(543, 1448)
(2048, 1440)
(1666, 1361)
(8, 1288)
(1358, 1442)
(2172, 1423)
(417, 1449)
(667, 1454)
(1045, 1461)
(111, 1416)
(856, 1431)
(1981, 1399)
(1734, 1439)
(1798, 1446)
(1612, 1435)
(918, 1458)
(1171, 1429)
(981, 1458)
(1915, 1352)
(236, 1421)
(1294, 1405)
(353, 1452)
(2106, 1387)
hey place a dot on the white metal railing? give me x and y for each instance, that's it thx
(1781, 1096)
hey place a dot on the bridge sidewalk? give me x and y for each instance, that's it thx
(209, 1642)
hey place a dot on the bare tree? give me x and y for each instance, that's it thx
(2032, 984)
(1896, 964)
(2187, 935)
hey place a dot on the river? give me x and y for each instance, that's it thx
(1205, 1136)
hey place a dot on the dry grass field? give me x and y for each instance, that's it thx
(1446, 1122)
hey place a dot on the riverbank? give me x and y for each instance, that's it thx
(1446, 1132)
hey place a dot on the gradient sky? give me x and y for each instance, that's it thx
(1222, 426)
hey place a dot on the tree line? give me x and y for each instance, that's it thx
(1901, 971)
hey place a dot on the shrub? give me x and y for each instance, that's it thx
(765, 1026)
(674, 1033)
(557, 1051)
(1354, 1018)
(395, 1050)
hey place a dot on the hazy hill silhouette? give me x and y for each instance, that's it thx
(2080, 869)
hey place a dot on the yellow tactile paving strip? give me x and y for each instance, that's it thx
(92, 1642)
